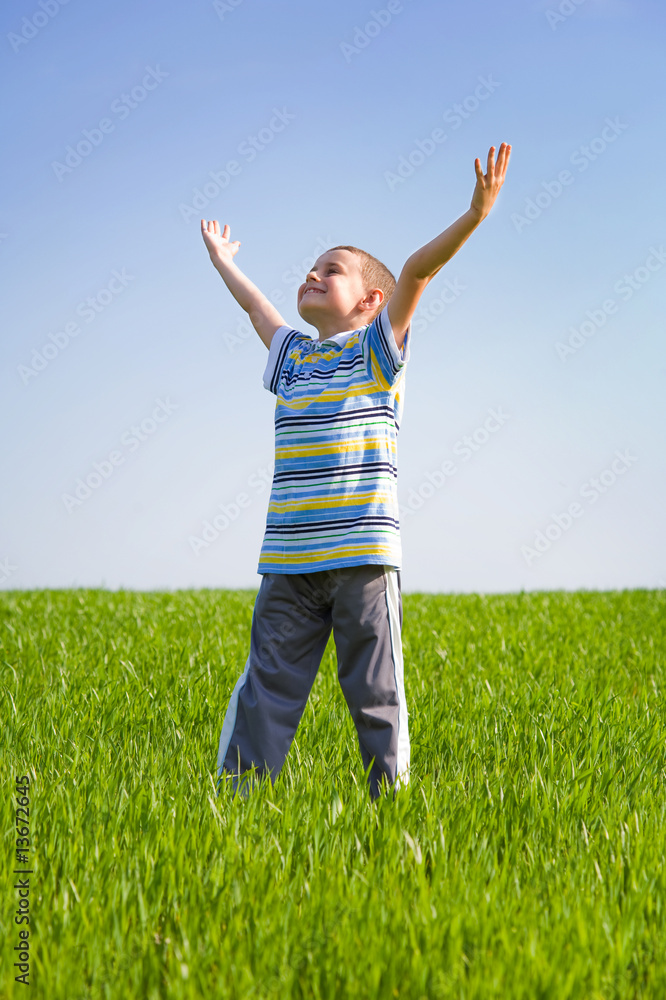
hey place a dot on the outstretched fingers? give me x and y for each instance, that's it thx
(502, 160)
(212, 226)
(495, 168)
(505, 161)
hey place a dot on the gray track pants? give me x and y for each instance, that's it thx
(292, 620)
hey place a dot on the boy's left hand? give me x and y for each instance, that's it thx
(488, 186)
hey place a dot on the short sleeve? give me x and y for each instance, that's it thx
(384, 360)
(283, 337)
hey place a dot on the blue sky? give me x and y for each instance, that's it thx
(537, 372)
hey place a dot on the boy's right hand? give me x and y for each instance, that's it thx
(218, 243)
(263, 314)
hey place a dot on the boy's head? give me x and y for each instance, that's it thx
(344, 290)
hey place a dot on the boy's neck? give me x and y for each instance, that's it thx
(330, 329)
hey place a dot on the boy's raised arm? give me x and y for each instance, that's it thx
(423, 265)
(264, 316)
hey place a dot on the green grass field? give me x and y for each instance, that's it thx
(525, 860)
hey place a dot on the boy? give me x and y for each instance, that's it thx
(331, 553)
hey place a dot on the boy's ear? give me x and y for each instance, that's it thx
(373, 300)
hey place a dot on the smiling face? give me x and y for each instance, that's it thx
(333, 297)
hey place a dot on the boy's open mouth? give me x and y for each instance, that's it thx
(318, 290)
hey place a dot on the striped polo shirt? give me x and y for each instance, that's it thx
(334, 497)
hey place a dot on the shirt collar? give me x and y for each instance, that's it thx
(338, 338)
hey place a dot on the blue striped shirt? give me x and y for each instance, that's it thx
(334, 499)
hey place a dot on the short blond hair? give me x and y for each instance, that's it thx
(374, 274)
